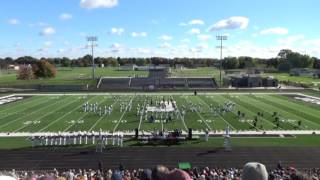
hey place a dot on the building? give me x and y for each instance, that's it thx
(247, 81)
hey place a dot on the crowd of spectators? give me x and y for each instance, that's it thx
(250, 171)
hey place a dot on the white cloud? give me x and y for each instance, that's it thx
(204, 37)
(38, 24)
(183, 24)
(47, 43)
(65, 16)
(192, 22)
(165, 45)
(165, 38)
(47, 31)
(314, 42)
(291, 39)
(196, 22)
(117, 31)
(14, 21)
(139, 34)
(202, 46)
(194, 31)
(92, 4)
(235, 22)
(115, 48)
(186, 40)
(275, 30)
(143, 50)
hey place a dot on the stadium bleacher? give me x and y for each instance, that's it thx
(157, 79)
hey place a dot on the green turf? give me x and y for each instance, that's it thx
(70, 76)
(298, 79)
(64, 113)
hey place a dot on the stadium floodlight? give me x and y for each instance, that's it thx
(221, 39)
(92, 40)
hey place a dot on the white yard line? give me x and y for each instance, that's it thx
(61, 116)
(254, 113)
(94, 125)
(23, 109)
(183, 122)
(219, 115)
(116, 126)
(85, 114)
(33, 112)
(50, 112)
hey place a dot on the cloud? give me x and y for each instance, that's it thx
(14, 21)
(38, 24)
(165, 38)
(275, 30)
(204, 37)
(192, 22)
(92, 4)
(47, 31)
(196, 22)
(47, 43)
(165, 45)
(291, 39)
(139, 34)
(202, 46)
(194, 31)
(115, 48)
(183, 24)
(65, 16)
(186, 40)
(116, 31)
(235, 22)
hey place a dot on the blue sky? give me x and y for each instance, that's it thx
(167, 28)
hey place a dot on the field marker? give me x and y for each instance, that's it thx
(299, 117)
(94, 125)
(85, 114)
(61, 117)
(50, 112)
(9, 114)
(254, 113)
(183, 122)
(116, 126)
(219, 115)
(15, 102)
(28, 114)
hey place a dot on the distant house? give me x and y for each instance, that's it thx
(250, 81)
(14, 67)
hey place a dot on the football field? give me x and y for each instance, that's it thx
(128, 111)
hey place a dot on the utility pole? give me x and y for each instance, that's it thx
(221, 39)
(92, 40)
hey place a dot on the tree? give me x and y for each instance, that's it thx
(65, 62)
(230, 63)
(290, 59)
(25, 73)
(43, 69)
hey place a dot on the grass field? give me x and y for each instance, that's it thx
(70, 76)
(53, 113)
(298, 79)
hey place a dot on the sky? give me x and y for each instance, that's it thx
(162, 28)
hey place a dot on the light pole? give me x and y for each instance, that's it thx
(92, 40)
(221, 38)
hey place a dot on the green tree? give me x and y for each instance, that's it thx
(230, 63)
